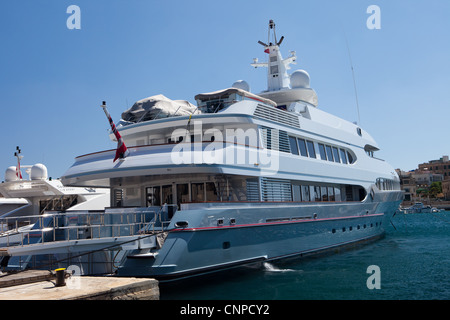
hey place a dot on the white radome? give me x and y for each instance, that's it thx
(300, 79)
(241, 84)
(10, 174)
(38, 172)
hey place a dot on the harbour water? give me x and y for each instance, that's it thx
(413, 260)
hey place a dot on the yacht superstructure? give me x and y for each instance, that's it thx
(242, 177)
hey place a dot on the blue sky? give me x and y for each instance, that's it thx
(53, 80)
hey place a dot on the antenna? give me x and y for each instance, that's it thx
(353, 75)
(281, 40)
(271, 26)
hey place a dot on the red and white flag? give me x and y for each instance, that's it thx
(18, 172)
(18, 156)
(122, 150)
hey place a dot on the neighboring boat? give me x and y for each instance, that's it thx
(7, 204)
(419, 207)
(26, 204)
(240, 178)
(39, 193)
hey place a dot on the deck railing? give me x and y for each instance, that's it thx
(79, 225)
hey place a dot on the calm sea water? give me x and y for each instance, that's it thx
(413, 259)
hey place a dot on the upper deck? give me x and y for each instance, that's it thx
(226, 121)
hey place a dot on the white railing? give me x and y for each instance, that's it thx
(78, 225)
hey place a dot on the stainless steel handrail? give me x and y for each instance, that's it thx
(138, 224)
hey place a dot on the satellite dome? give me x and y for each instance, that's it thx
(38, 172)
(241, 84)
(300, 79)
(10, 174)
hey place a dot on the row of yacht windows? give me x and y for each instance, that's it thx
(235, 190)
(296, 146)
(308, 193)
(387, 184)
(307, 148)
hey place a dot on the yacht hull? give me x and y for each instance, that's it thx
(264, 233)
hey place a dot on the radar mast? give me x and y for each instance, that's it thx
(277, 77)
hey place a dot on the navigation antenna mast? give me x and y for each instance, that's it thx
(277, 77)
(354, 81)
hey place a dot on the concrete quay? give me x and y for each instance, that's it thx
(40, 285)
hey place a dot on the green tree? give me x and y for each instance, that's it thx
(435, 189)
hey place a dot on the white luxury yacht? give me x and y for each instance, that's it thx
(240, 177)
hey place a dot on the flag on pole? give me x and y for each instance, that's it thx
(18, 172)
(17, 154)
(122, 150)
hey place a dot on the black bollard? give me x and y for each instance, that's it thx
(60, 277)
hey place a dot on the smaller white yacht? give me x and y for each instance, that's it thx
(26, 203)
(39, 193)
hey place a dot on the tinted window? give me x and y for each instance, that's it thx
(316, 193)
(293, 144)
(305, 193)
(336, 155)
(343, 156)
(302, 146)
(329, 153)
(350, 158)
(311, 151)
(323, 155)
(324, 191)
(331, 194)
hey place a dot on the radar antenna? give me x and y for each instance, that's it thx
(272, 27)
(277, 77)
